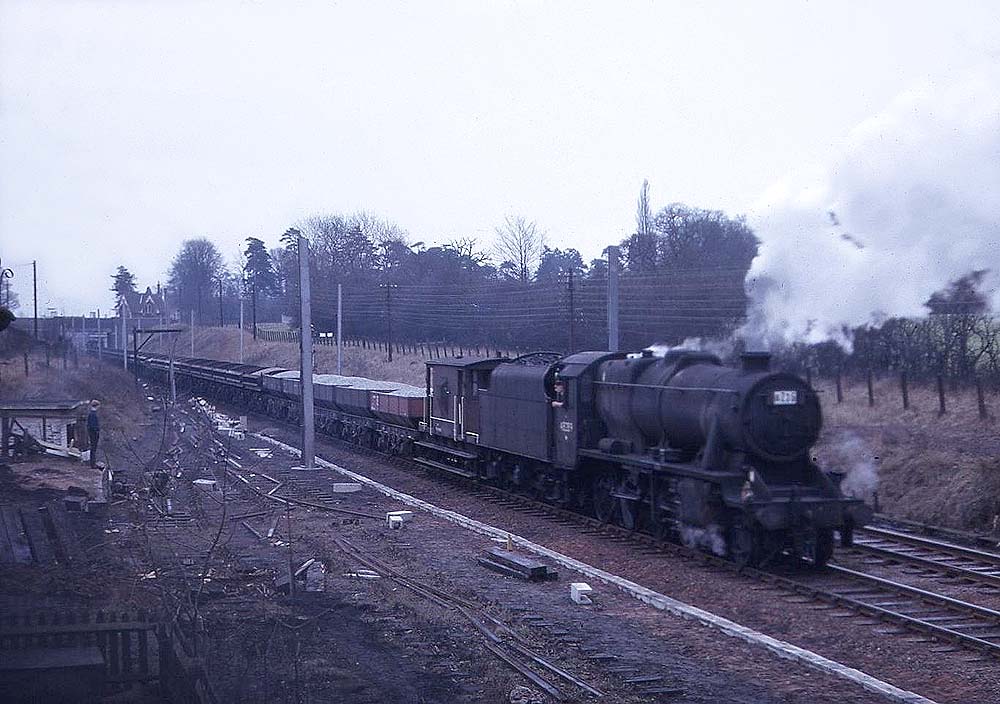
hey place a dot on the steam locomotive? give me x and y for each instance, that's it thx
(681, 446)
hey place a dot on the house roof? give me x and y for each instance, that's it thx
(138, 303)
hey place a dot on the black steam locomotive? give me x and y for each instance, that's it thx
(680, 446)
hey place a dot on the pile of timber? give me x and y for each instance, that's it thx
(516, 565)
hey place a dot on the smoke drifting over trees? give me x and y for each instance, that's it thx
(915, 202)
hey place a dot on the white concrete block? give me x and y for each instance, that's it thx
(580, 592)
(205, 484)
(404, 516)
(395, 522)
(346, 487)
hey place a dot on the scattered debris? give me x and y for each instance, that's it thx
(525, 695)
(346, 487)
(206, 484)
(75, 502)
(363, 574)
(516, 565)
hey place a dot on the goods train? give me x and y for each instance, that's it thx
(681, 446)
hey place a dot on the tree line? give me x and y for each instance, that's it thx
(682, 276)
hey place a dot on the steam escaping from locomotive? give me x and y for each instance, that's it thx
(911, 203)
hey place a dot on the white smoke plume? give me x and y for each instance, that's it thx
(720, 348)
(911, 203)
(850, 454)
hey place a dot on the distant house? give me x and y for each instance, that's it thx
(143, 305)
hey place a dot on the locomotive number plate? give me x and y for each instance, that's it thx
(785, 398)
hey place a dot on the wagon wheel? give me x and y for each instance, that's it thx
(605, 504)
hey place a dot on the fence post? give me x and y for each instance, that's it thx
(940, 387)
(26, 364)
(871, 389)
(981, 398)
(905, 390)
(840, 389)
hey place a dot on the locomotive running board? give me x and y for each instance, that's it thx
(445, 450)
(451, 469)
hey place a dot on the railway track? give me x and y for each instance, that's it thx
(966, 563)
(912, 610)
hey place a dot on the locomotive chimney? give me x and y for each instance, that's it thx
(756, 361)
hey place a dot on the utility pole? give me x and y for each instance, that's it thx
(241, 327)
(572, 314)
(222, 320)
(388, 319)
(34, 290)
(192, 333)
(124, 342)
(613, 267)
(253, 304)
(100, 340)
(173, 385)
(340, 327)
(306, 362)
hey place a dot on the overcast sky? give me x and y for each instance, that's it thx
(126, 127)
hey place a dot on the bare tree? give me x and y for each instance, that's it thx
(520, 243)
(643, 217)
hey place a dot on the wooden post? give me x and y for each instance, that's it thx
(905, 390)
(840, 389)
(940, 387)
(871, 389)
(26, 364)
(981, 398)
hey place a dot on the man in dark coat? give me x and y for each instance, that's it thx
(93, 430)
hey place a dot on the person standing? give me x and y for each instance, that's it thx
(93, 430)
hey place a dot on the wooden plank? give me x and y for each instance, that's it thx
(67, 546)
(529, 567)
(15, 534)
(49, 628)
(6, 551)
(41, 549)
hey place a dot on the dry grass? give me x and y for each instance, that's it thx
(124, 409)
(928, 467)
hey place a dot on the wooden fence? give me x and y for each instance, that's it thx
(901, 383)
(135, 647)
(428, 350)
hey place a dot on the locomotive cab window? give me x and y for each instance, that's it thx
(559, 394)
(482, 382)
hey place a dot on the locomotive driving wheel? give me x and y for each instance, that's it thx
(742, 544)
(818, 548)
(603, 500)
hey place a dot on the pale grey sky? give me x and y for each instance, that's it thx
(126, 127)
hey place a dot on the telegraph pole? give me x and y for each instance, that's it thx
(34, 290)
(124, 341)
(340, 327)
(613, 270)
(241, 327)
(222, 320)
(572, 315)
(388, 319)
(253, 304)
(192, 333)
(306, 361)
